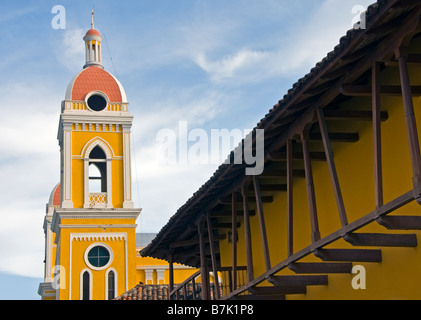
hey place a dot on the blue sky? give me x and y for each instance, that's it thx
(215, 64)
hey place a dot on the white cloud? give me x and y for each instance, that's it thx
(71, 51)
(296, 53)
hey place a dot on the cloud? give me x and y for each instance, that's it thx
(29, 169)
(71, 51)
(289, 53)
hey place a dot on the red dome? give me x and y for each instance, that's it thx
(93, 32)
(95, 79)
(55, 196)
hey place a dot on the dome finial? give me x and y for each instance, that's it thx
(92, 22)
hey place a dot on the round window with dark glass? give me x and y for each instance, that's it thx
(98, 256)
(97, 102)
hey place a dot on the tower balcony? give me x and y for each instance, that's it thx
(98, 200)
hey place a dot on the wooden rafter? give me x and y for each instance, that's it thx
(366, 91)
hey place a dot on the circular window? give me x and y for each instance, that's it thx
(98, 256)
(97, 102)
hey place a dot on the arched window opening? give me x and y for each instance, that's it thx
(97, 176)
(111, 285)
(95, 179)
(97, 153)
(86, 286)
(97, 171)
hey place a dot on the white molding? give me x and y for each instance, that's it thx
(66, 185)
(115, 282)
(127, 174)
(46, 290)
(163, 267)
(160, 275)
(87, 116)
(81, 284)
(149, 276)
(99, 236)
(100, 93)
(64, 213)
(97, 141)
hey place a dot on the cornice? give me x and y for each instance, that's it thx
(83, 214)
(98, 236)
(94, 119)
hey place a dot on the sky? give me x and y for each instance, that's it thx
(211, 64)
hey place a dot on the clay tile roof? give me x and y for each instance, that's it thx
(95, 79)
(93, 31)
(146, 292)
(161, 292)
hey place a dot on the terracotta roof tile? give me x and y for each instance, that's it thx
(93, 31)
(146, 292)
(95, 79)
(161, 292)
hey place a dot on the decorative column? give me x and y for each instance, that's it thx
(128, 201)
(66, 189)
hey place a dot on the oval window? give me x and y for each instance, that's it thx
(97, 102)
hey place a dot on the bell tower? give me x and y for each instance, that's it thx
(94, 225)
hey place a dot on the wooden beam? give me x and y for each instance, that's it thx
(171, 272)
(213, 254)
(255, 297)
(354, 255)
(203, 264)
(382, 240)
(278, 290)
(336, 136)
(247, 235)
(312, 280)
(366, 91)
(270, 188)
(400, 222)
(224, 225)
(332, 168)
(296, 156)
(263, 234)
(315, 233)
(250, 198)
(193, 242)
(226, 213)
(353, 115)
(278, 173)
(290, 200)
(411, 125)
(377, 142)
(234, 241)
(320, 267)
(412, 59)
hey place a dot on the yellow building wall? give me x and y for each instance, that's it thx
(78, 248)
(181, 272)
(398, 276)
(115, 141)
